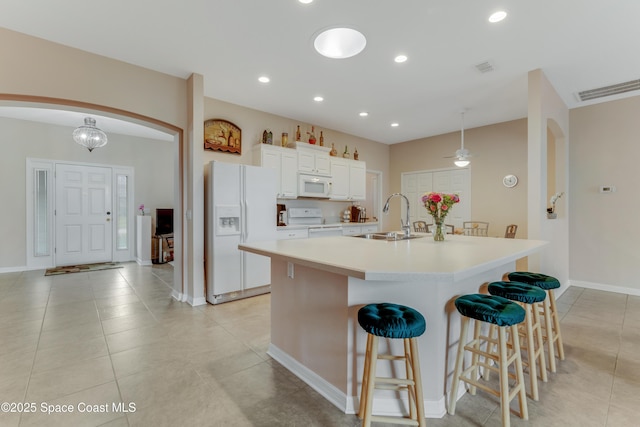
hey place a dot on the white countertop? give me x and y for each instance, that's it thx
(457, 258)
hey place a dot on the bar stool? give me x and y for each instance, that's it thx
(392, 321)
(506, 315)
(553, 336)
(528, 297)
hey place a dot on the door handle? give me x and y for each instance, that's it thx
(108, 213)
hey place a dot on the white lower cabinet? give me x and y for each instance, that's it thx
(351, 230)
(354, 230)
(292, 233)
(371, 228)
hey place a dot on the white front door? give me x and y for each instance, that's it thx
(83, 215)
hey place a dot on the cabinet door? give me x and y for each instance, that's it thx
(306, 161)
(357, 180)
(339, 179)
(288, 234)
(271, 159)
(323, 164)
(370, 228)
(351, 230)
(289, 175)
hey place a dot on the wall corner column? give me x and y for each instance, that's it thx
(194, 186)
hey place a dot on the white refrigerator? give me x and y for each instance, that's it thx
(241, 207)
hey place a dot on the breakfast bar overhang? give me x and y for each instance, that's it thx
(318, 286)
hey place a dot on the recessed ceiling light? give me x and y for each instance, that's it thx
(497, 16)
(340, 43)
(318, 98)
(305, 1)
(400, 58)
(395, 125)
(364, 114)
(264, 79)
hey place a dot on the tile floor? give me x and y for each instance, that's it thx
(90, 339)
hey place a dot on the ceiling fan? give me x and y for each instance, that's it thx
(462, 154)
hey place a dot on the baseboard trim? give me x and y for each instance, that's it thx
(143, 262)
(17, 269)
(198, 301)
(604, 287)
(349, 404)
(327, 390)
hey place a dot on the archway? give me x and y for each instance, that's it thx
(16, 100)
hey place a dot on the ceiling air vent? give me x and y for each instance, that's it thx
(616, 89)
(484, 67)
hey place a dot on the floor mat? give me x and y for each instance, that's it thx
(81, 268)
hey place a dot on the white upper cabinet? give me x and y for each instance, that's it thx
(285, 162)
(339, 179)
(314, 160)
(349, 179)
(357, 180)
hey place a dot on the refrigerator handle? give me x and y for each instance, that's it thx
(244, 221)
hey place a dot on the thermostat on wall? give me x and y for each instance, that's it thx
(607, 189)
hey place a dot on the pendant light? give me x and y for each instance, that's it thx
(462, 155)
(89, 135)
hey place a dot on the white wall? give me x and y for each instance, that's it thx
(605, 150)
(152, 161)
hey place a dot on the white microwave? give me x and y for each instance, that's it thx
(314, 186)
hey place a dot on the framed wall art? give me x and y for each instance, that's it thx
(222, 135)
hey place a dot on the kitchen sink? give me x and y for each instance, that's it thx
(390, 236)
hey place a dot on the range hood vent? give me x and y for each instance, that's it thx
(616, 89)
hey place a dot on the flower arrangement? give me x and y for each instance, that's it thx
(141, 209)
(551, 212)
(439, 205)
(554, 199)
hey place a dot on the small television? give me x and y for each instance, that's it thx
(164, 221)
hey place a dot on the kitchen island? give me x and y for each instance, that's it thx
(318, 286)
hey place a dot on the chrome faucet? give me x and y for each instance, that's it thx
(406, 228)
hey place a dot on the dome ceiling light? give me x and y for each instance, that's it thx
(340, 43)
(89, 135)
(497, 16)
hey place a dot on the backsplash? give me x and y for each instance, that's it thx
(331, 211)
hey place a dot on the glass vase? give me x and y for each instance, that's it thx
(438, 231)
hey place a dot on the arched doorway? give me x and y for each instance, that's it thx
(176, 136)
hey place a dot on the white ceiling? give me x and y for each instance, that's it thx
(579, 44)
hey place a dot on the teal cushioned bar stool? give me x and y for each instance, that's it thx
(400, 322)
(553, 336)
(529, 297)
(506, 315)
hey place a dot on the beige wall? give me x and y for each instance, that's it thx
(547, 114)
(152, 161)
(604, 151)
(254, 122)
(498, 150)
(34, 67)
(37, 67)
